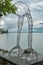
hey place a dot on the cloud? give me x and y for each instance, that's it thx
(36, 5)
(36, 8)
(36, 24)
(2, 22)
(10, 22)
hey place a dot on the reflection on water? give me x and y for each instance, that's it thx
(8, 41)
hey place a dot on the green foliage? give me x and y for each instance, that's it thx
(6, 7)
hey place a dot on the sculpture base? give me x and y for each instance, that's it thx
(30, 53)
(15, 60)
(18, 48)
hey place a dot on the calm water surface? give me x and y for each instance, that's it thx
(7, 41)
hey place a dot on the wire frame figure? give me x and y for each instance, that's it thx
(22, 11)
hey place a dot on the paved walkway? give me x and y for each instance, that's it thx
(18, 61)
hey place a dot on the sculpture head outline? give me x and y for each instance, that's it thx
(22, 8)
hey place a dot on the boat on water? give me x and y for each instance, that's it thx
(3, 31)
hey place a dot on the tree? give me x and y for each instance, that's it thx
(6, 7)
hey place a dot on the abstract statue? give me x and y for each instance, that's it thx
(23, 11)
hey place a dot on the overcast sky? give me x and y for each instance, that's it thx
(36, 8)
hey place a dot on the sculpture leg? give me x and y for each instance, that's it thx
(30, 38)
(20, 24)
(28, 50)
(30, 26)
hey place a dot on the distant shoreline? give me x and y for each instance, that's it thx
(3, 31)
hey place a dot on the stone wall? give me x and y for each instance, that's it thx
(5, 62)
(39, 63)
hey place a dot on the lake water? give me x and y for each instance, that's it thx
(7, 41)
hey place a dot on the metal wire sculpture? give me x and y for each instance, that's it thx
(24, 11)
